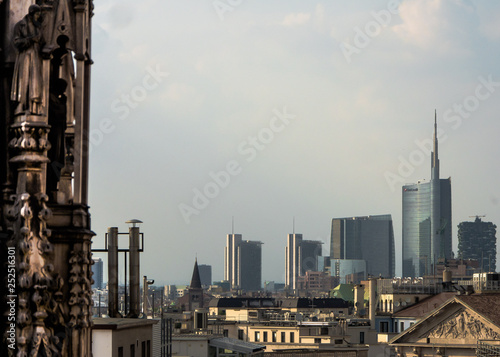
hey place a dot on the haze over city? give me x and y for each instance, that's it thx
(291, 110)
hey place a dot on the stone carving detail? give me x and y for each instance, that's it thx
(44, 119)
(464, 325)
(80, 298)
(35, 282)
(32, 138)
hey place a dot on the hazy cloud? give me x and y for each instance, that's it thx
(440, 26)
(296, 19)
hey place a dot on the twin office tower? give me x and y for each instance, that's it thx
(243, 261)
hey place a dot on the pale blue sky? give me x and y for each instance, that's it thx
(362, 83)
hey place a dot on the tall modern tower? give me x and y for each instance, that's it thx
(250, 265)
(243, 263)
(477, 240)
(231, 259)
(426, 220)
(300, 256)
(205, 274)
(437, 247)
(97, 270)
(368, 238)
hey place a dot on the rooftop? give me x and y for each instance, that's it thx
(109, 323)
(425, 306)
(236, 345)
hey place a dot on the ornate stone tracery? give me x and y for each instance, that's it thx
(42, 219)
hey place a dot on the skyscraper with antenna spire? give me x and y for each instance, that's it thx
(300, 256)
(426, 219)
(242, 262)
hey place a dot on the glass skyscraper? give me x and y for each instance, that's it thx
(417, 251)
(250, 271)
(426, 221)
(97, 270)
(368, 238)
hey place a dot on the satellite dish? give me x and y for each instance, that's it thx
(403, 303)
(396, 304)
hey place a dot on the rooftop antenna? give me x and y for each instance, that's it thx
(293, 225)
(232, 225)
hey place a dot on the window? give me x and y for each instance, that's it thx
(324, 331)
(257, 336)
(274, 336)
(143, 348)
(361, 337)
(225, 333)
(384, 326)
(317, 340)
(283, 337)
(265, 336)
(149, 348)
(402, 327)
(240, 334)
(132, 350)
(338, 341)
(120, 351)
(292, 337)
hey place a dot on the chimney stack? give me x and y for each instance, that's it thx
(145, 293)
(134, 264)
(113, 272)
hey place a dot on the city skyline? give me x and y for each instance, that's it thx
(270, 111)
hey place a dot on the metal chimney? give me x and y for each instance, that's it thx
(113, 272)
(145, 293)
(134, 264)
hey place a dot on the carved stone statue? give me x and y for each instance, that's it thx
(27, 79)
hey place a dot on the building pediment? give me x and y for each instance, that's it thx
(464, 325)
(452, 323)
